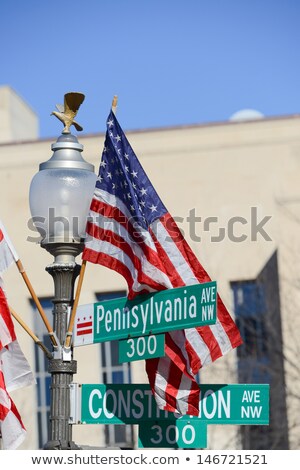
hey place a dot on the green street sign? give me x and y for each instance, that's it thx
(133, 403)
(143, 347)
(178, 434)
(160, 312)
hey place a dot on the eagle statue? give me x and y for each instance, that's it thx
(67, 112)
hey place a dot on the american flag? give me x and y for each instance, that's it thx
(130, 231)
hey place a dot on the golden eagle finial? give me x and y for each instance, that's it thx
(67, 112)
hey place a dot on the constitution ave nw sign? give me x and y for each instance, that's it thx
(160, 312)
(133, 403)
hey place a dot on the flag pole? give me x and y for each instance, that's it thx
(37, 302)
(37, 341)
(29, 286)
(69, 333)
(114, 104)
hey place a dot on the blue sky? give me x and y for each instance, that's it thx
(170, 62)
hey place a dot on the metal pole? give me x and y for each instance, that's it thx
(64, 271)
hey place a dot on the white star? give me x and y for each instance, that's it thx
(104, 149)
(132, 208)
(126, 156)
(100, 179)
(103, 163)
(134, 173)
(118, 138)
(109, 175)
(126, 168)
(125, 184)
(111, 134)
(143, 191)
(128, 196)
(110, 123)
(143, 203)
(119, 151)
(134, 185)
(153, 208)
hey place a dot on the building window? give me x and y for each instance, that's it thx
(251, 312)
(260, 358)
(42, 375)
(115, 373)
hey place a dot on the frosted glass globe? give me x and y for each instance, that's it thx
(60, 201)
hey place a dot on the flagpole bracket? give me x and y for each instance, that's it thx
(57, 348)
(57, 352)
(67, 354)
(75, 403)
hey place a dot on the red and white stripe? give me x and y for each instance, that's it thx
(15, 367)
(15, 372)
(7, 330)
(151, 261)
(11, 427)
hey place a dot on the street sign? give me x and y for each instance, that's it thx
(143, 347)
(133, 403)
(179, 434)
(159, 312)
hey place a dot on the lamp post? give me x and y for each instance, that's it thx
(60, 195)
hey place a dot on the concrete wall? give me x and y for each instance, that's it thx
(17, 120)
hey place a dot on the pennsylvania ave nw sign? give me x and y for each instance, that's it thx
(160, 312)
